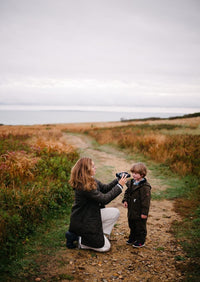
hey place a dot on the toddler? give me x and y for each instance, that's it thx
(137, 199)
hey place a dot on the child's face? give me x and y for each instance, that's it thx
(137, 176)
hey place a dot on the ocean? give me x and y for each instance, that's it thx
(54, 115)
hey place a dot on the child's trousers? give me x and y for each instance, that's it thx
(138, 230)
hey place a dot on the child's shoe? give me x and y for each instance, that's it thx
(138, 245)
(130, 242)
(71, 238)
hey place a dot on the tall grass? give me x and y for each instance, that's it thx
(179, 152)
(34, 173)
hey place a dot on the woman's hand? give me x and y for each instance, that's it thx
(123, 180)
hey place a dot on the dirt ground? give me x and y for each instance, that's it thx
(154, 262)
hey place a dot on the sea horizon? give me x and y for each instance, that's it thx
(32, 114)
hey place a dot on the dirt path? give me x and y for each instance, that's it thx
(155, 262)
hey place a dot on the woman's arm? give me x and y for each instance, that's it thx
(104, 188)
(104, 198)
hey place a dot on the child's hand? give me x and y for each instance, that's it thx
(125, 204)
(143, 216)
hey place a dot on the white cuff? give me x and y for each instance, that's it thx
(119, 185)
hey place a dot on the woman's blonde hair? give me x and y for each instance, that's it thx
(139, 168)
(81, 175)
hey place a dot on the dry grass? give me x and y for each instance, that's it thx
(17, 164)
(157, 145)
(159, 141)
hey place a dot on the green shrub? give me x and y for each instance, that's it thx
(34, 187)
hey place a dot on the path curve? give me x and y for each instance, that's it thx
(155, 262)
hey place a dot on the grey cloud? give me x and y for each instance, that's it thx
(154, 44)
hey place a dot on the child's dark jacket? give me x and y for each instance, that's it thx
(138, 198)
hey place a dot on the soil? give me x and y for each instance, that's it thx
(156, 261)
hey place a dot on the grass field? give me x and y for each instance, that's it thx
(36, 161)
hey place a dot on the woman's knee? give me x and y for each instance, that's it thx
(116, 213)
(109, 214)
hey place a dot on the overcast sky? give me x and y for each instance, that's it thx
(100, 52)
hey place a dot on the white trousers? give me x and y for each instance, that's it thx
(109, 216)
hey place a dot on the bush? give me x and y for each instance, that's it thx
(34, 186)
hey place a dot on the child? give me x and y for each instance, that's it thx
(137, 199)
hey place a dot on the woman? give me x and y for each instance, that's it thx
(90, 220)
